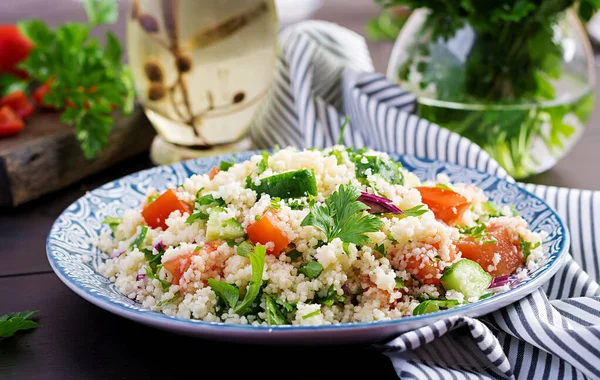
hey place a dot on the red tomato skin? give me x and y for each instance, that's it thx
(179, 265)
(40, 93)
(213, 172)
(10, 122)
(158, 211)
(483, 253)
(447, 205)
(14, 48)
(17, 100)
(430, 268)
(265, 230)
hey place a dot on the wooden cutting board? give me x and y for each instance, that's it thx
(45, 156)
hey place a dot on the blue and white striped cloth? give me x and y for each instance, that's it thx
(324, 72)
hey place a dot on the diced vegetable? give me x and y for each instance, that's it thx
(431, 306)
(14, 48)
(503, 251)
(10, 122)
(265, 230)
(378, 205)
(213, 172)
(467, 277)
(179, 265)
(40, 93)
(447, 205)
(218, 228)
(426, 270)
(18, 102)
(294, 184)
(257, 260)
(156, 213)
(311, 269)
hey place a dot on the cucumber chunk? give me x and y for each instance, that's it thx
(431, 306)
(294, 184)
(219, 227)
(467, 277)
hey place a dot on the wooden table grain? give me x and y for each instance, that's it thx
(78, 340)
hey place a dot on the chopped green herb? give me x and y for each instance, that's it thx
(264, 163)
(201, 206)
(113, 223)
(153, 260)
(313, 314)
(276, 203)
(386, 168)
(338, 156)
(442, 186)
(197, 216)
(381, 249)
(274, 315)
(526, 247)
(399, 283)
(151, 198)
(257, 217)
(231, 243)
(286, 305)
(486, 295)
(228, 293)
(342, 130)
(224, 165)
(13, 322)
(431, 306)
(297, 204)
(244, 249)
(150, 273)
(257, 260)
(392, 240)
(197, 248)
(341, 217)
(418, 210)
(140, 238)
(346, 247)
(312, 269)
(294, 254)
(168, 300)
(329, 297)
(478, 233)
(492, 209)
(514, 211)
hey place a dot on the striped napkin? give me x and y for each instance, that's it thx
(324, 72)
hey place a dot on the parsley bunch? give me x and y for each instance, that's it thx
(342, 217)
(87, 80)
(13, 322)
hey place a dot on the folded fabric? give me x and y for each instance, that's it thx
(324, 73)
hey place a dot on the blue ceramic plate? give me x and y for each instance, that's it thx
(74, 257)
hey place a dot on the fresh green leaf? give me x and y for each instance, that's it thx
(346, 247)
(168, 300)
(384, 167)
(150, 273)
(418, 210)
(329, 297)
(199, 215)
(286, 305)
(140, 238)
(311, 269)
(294, 254)
(101, 11)
(526, 247)
(431, 306)
(10, 83)
(274, 315)
(227, 292)
(478, 233)
(442, 186)
(13, 322)
(257, 260)
(275, 203)
(381, 249)
(338, 156)
(486, 295)
(264, 163)
(342, 130)
(151, 198)
(341, 217)
(224, 165)
(244, 249)
(112, 222)
(313, 314)
(399, 283)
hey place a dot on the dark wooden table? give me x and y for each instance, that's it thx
(80, 341)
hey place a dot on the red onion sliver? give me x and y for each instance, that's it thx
(159, 246)
(140, 276)
(378, 205)
(114, 255)
(500, 281)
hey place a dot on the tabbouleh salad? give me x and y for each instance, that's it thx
(315, 237)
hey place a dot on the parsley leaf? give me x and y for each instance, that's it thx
(244, 249)
(341, 217)
(293, 254)
(257, 259)
(87, 80)
(313, 314)
(140, 238)
(10, 83)
(478, 233)
(168, 300)
(399, 283)
(224, 165)
(230, 294)
(311, 269)
(384, 167)
(264, 163)
(153, 275)
(13, 322)
(415, 211)
(526, 247)
(381, 249)
(274, 314)
(113, 223)
(442, 186)
(201, 205)
(329, 297)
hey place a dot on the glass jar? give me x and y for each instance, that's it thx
(522, 94)
(201, 70)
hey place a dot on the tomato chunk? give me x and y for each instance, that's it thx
(17, 100)
(213, 172)
(265, 230)
(10, 122)
(14, 48)
(447, 205)
(179, 265)
(482, 253)
(430, 271)
(158, 211)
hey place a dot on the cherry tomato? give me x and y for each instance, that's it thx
(483, 253)
(158, 211)
(430, 271)
(179, 265)
(265, 231)
(40, 93)
(447, 205)
(17, 100)
(10, 122)
(14, 48)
